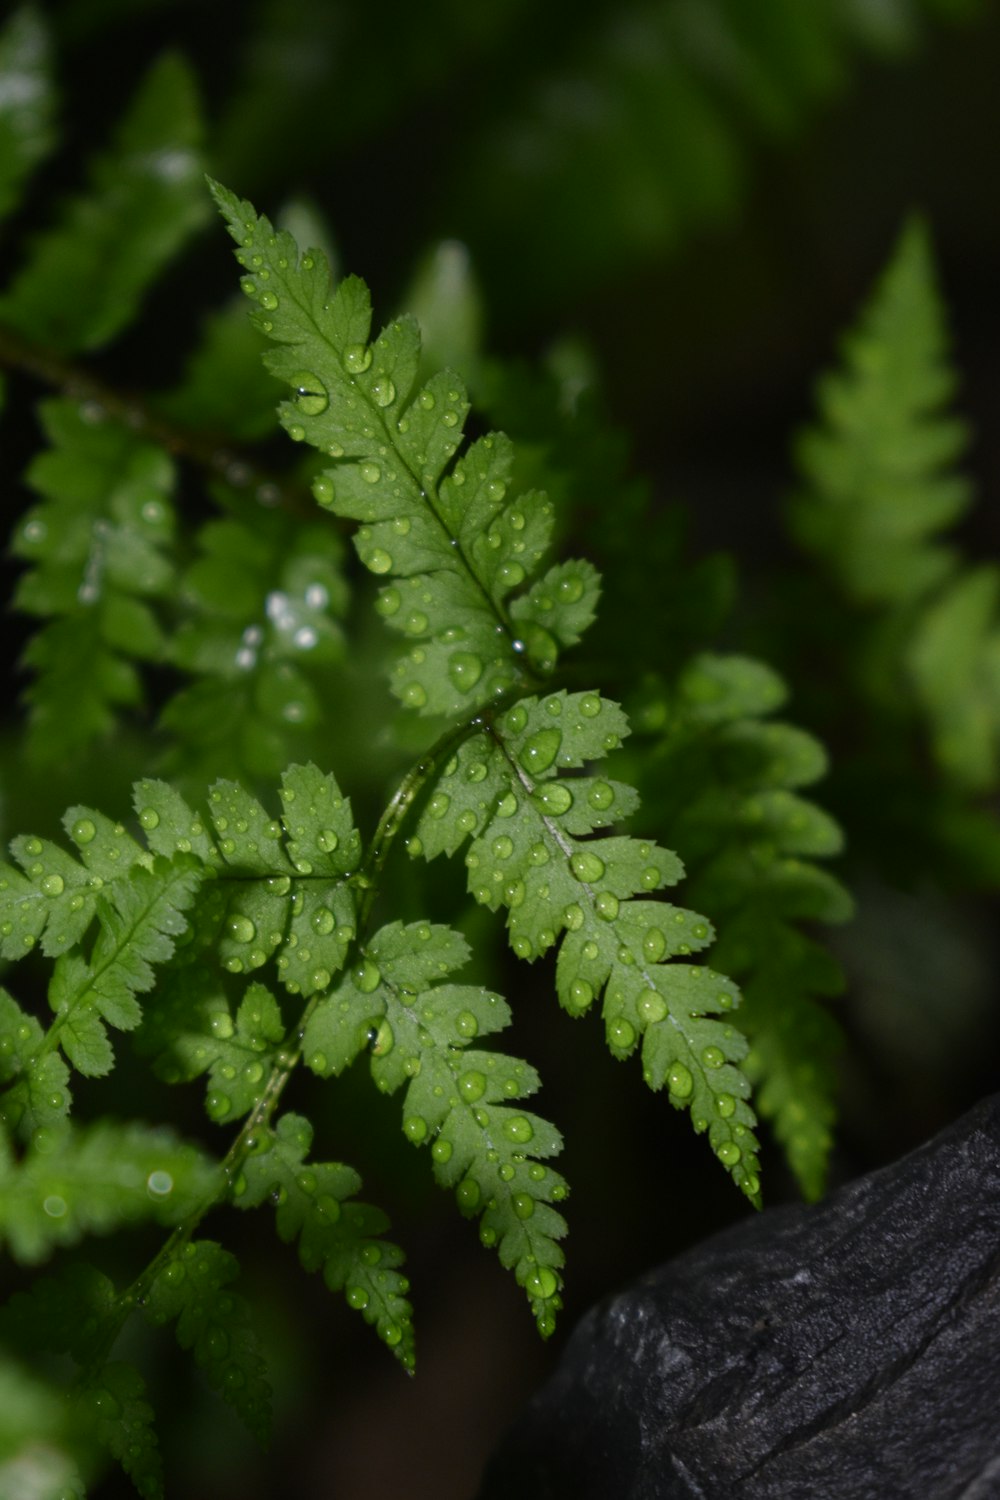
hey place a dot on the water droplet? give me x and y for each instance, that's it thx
(84, 831)
(268, 301)
(217, 1105)
(467, 1195)
(728, 1153)
(327, 840)
(590, 705)
(388, 601)
(466, 1024)
(221, 1024)
(441, 1150)
(53, 885)
(323, 921)
(680, 1081)
(713, 1057)
(570, 589)
(621, 1034)
(370, 473)
(378, 560)
(552, 797)
(383, 391)
(241, 929)
(472, 1086)
(414, 695)
(651, 878)
(587, 867)
(415, 1128)
(651, 1006)
(523, 1205)
(600, 796)
(725, 1104)
(149, 818)
(540, 750)
(518, 1128)
(606, 906)
(357, 1297)
(357, 358)
(439, 804)
(581, 995)
(515, 720)
(654, 945)
(465, 670)
(311, 395)
(367, 976)
(416, 622)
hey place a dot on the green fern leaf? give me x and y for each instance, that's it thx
(505, 786)
(879, 469)
(112, 1404)
(724, 781)
(139, 922)
(73, 1182)
(459, 547)
(34, 1085)
(954, 663)
(192, 1286)
(458, 1099)
(27, 102)
(262, 606)
(37, 1440)
(98, 546)
(83, 282)
(341, 1237)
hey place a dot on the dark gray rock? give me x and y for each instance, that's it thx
(840, 1352)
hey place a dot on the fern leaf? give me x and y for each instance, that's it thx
(192, 1286)
(459, 1100)
(954, 664)
(192, 1031)
(98, 546)
(83, 282)
(505, 789)
(112, 1403)
(724, 779)
(459, 546)
(73, 1182)
(34, 1085)
(140, 918)
(261, 630)
(341, 1237)
(879, 467)
(27, 102)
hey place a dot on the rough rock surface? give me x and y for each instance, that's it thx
(839, 1352)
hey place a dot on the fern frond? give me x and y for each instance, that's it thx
(343, 1238)
(461, 550)
(260, 627)
(84, 280)
(112, 1403)
(881, 488)
(725, 778)
(27, 102)
(71, 1182)
(99, 547)
(37, 1440)
(192, 1287)
(506, 789)
(76, 1312)
(459, 1100)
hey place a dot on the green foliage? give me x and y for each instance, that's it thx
(881, 491)
(238, 922)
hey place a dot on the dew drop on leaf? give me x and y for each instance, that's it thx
(651, 1006)
(472, 1086)
(357, 359)
(728, 1153)
(465, 670)
(383, 391)
(311, 396)
(53, 885)
(587, 867)
(241, 930)
(680, 1081)
(590, 705)
(540, 750)
(713, 1057)
(518, 1129)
